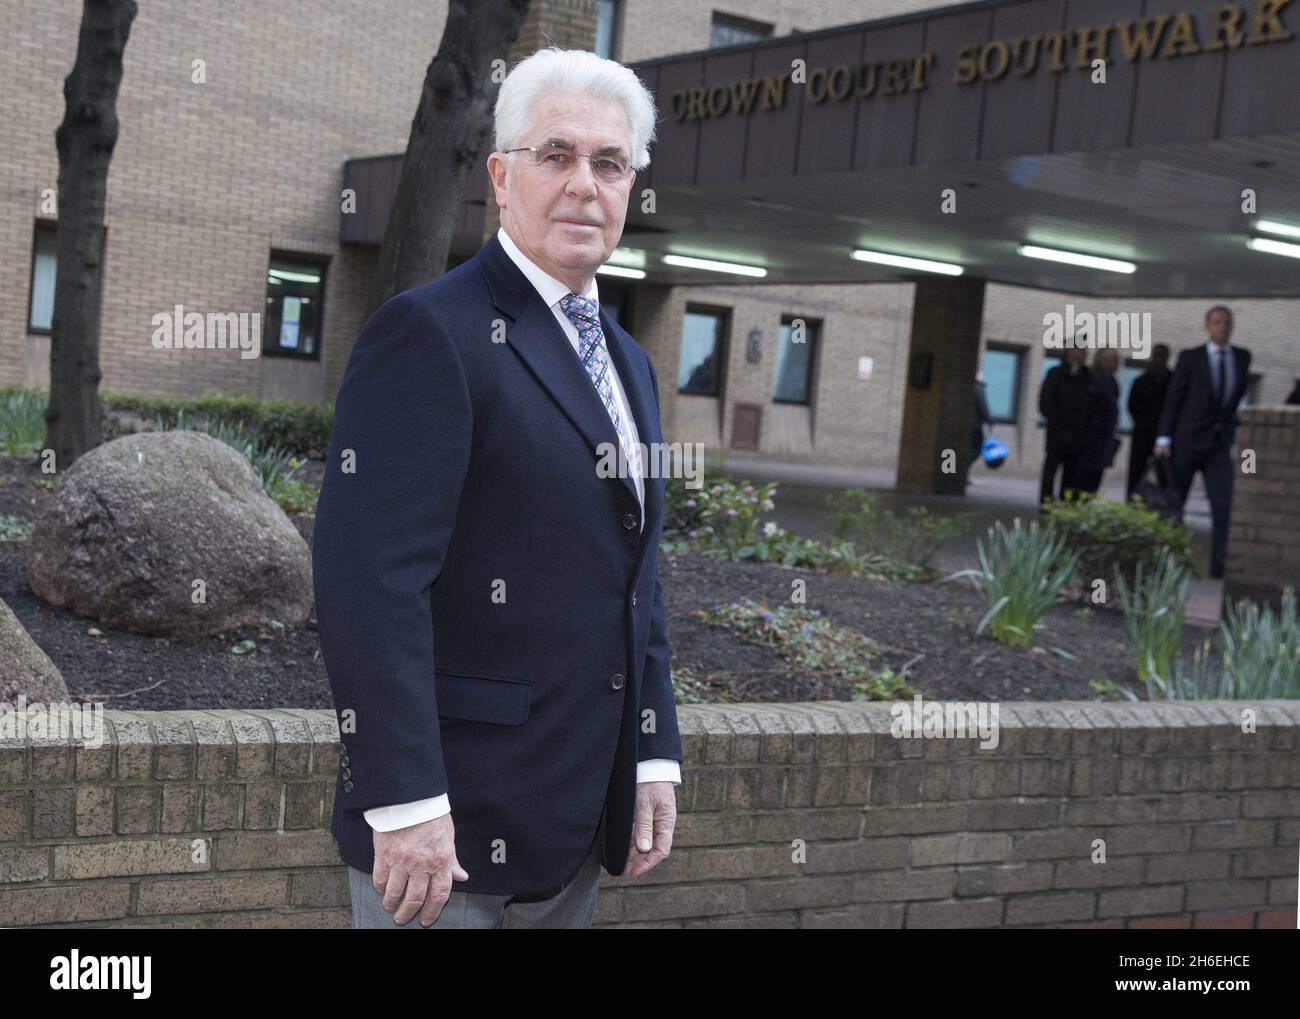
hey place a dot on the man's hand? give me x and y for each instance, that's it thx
(653, 821)
(1162, 450)
(414, 867)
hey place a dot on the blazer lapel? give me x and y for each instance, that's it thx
(540, 342)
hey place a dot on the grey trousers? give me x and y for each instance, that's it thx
(572, 906)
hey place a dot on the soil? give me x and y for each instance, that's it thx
(926, 629)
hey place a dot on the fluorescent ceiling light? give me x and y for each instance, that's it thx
(627, 256)
(296, 277)
(906, 262)
(1074, 258)
(1270, 226)
(687, 262)
(1273, 247)
(618, 270)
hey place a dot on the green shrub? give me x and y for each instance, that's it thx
(273, 465)
(22, 420)
(1154, 606)
(301, 428)
(1111, 535)
(1254, 655)
(1020, 575)
(913, 537)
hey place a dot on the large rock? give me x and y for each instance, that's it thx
(24, 668)
(138, 520)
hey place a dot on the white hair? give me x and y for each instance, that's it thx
(581, 73)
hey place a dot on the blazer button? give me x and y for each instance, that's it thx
(629, 521)
(347, 787)
(616, 681)
(633, 597)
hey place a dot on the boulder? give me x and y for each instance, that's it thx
(137, 521)
(24, 668)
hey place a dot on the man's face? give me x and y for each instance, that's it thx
(567, 223)
(1219, 325)
(1076, 355)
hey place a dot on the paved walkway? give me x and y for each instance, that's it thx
(990, 496)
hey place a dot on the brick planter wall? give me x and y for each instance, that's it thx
(1263, 554)
(220, 818)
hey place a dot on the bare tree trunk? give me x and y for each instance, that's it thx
(85, 142)
(450, 128)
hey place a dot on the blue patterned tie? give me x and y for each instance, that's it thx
(584, 313)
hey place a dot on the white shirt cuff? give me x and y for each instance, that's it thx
(659, 769)
(1162, 440)
(403, 815)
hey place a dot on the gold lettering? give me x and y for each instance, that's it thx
(1017, 44)
(839, 82)
(742, 95)
(919, 66)
(1056, 42)
(774, 92)
(868, 88)
(1266, 22)
(1094, 42)
(895, 79)
(1000, 48)
(816, 85)
(695, 104)
(1225, 26)
(1141, 38)
(1181, 40)
(965, 70)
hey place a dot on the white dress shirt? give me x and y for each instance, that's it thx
(403, 815)
(1229, 373)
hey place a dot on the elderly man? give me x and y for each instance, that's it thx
(488, 598)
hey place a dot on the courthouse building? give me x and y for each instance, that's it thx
(916, 192)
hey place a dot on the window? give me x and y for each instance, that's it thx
(1130, 371)
(794, 362)
(1050, 361)
(607, 25)
(1252, 390)
(729, 30)
(1001, 366)
(295, 299)
(40, 305)
(699, 370)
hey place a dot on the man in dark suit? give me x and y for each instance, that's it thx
(1145, 400)
(488, 598)
(1065, 400)
(1198, 422)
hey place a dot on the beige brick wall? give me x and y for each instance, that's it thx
(221, 819)
(1262, 548)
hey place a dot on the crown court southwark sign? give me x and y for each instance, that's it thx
(1155, 37)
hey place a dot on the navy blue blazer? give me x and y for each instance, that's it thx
(1190, 416)
(489, 605)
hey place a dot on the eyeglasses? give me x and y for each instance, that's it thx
(610, 168)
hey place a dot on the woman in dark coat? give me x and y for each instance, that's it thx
(1103, 419)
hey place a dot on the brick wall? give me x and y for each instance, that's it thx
(220, 818)
(1263, 555)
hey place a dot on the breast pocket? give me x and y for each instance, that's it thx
(483, 698)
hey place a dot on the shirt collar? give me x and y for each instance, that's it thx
(551, 289)
(1212, 347)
